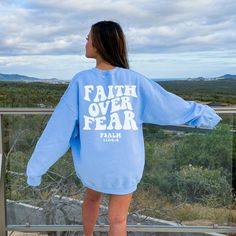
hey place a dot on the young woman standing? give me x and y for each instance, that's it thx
(100, 117)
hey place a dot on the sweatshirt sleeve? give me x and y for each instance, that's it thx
(54, 141)
(165, 108)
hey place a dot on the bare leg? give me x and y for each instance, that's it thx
(118, 212)
(90, 210)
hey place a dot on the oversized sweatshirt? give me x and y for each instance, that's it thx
(100, 116)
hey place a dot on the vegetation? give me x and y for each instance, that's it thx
(188, 173)
(221, 91)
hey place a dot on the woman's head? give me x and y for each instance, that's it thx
(107, 39)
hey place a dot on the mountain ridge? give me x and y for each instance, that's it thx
(27, 79)
(226, 76)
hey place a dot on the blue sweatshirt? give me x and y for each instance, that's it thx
(100, 116)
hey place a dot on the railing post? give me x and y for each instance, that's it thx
(2, 184)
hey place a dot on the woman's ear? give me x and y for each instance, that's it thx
(95, 49)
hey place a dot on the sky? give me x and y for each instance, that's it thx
(165, 38)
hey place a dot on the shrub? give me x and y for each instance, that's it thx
(197, 184)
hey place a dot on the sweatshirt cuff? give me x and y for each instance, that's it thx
(214, 121)
(34, 181)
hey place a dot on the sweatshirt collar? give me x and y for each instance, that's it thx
(103, 71)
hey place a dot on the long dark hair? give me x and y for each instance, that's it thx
(109, 40)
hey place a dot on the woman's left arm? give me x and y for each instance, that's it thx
(165, 108)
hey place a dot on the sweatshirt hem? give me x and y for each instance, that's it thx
(109, 191)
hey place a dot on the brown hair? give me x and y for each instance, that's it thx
(109, 40)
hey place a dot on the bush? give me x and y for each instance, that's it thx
(196, 184)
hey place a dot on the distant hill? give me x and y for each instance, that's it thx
(26, 79)
(226, 76)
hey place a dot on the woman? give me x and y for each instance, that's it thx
(115, 55)
(100, 117)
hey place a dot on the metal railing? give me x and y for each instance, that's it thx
(4, 228)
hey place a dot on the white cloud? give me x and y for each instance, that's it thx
(47, 28)
(150, 26)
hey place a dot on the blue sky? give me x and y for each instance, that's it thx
(165, 38)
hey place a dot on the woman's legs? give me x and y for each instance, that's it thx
(118, 212)
(90, 210)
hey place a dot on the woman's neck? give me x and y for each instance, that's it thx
(103, 65)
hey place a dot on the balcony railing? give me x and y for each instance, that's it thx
(13, 147)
